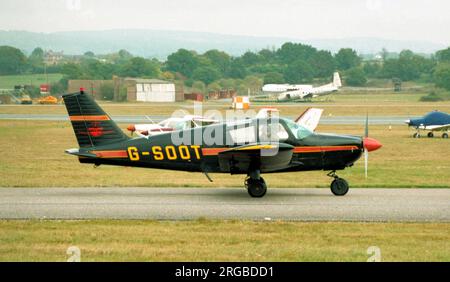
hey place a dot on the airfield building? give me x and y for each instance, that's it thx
(133, 89)
(150, 90)
(146, 90)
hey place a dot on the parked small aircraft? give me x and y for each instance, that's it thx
(433, 121)
(286, 92)
(309, 119)
(170, 124)
(249, 146)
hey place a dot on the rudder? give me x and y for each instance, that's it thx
(337, 80)
(92, 126)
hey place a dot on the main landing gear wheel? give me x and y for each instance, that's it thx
(256, 188)
(339, 186)
(445, 135)
(430, 135)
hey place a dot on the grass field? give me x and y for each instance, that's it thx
(8, 81)
(32, 155)
(205, 240)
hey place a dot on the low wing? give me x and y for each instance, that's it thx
(438, 127)
(295, 94)
(265, 157)
(310, 118)
(143, 130)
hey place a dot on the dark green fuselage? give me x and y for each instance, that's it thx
(315, 152)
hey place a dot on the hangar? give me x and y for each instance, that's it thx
(150, 90)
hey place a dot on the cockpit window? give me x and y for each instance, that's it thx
(272, 132)
(298, 131)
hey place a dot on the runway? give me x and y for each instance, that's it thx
(399, 205)
(393, 120)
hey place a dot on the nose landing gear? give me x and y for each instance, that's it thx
(339, 186)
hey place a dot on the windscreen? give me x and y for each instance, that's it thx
(298, 131)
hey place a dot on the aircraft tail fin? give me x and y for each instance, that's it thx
(310, 118)
(92, 126)
(337, 80)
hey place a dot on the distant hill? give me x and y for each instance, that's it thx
(160, 43)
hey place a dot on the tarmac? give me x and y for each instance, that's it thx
(285, 204)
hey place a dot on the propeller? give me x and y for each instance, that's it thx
(369, 145)
(408, 121)
(366, 152)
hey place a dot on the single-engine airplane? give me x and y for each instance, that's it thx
(250, 147)
(433, 121)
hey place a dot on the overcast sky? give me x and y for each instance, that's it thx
(427, 20)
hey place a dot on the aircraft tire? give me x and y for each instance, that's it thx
(256, 188)
(430, 135)
(445, 135)
(339, 186)
(416, 135)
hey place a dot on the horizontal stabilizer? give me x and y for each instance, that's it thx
(76, 152)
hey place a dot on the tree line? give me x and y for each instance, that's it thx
(215, 69)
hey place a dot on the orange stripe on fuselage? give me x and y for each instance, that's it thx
(212, 151)
(89, 118)
(302, 149)
(120, 154)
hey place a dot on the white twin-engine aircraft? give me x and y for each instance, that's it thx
(286, 92)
